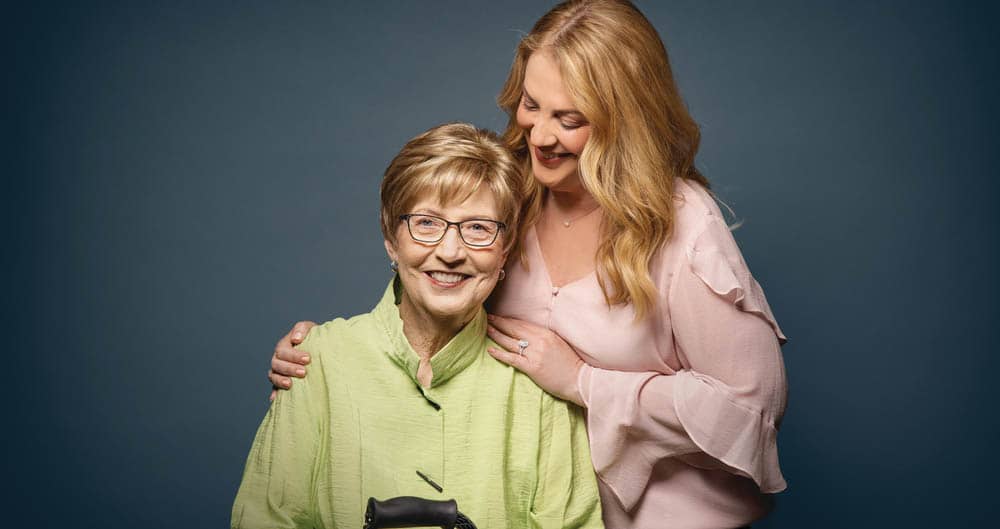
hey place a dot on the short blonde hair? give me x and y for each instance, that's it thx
(452, 161)
(642, 137)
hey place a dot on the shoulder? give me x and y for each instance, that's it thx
(704, 251)
(697, 221)
(522, 390)
(700, 229)
(695, 212)
(328, 342)
(525, 394)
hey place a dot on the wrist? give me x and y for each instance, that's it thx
(574, 393)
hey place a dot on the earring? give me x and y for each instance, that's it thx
(503, 274)
(394, 266)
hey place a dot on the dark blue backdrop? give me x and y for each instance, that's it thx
(184, 181)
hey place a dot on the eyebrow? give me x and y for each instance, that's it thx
(436, 213)
(561, 112)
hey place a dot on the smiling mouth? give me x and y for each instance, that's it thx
(551, 155)
(551, 160)
(447, 279)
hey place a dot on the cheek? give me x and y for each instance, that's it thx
(408, 253)
(575, 140)
(523, 119)
(489, 264)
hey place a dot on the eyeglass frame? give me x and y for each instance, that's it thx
(501, 226)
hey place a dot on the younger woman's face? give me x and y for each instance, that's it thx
(556, 130)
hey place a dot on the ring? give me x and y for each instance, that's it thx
(521, 346)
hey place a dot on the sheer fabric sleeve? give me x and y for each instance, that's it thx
(721, 409)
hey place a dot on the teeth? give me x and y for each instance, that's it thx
(443, 277)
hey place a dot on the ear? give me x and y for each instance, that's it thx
(503, 259)
(391, 250)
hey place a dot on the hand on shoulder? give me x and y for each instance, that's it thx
(287, 361)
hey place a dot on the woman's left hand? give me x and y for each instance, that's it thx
(548, 360)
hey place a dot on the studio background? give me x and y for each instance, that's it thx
(185, 180)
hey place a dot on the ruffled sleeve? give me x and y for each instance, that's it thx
(716, 261)
(721, 409)
(733, 395)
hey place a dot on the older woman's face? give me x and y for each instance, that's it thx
(448, 280)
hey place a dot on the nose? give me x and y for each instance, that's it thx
(450, 248)
(542, 134)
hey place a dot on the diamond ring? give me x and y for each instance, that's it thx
(521, 346)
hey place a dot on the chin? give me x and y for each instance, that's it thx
(464, 304)
(552, 179)
(450, 311)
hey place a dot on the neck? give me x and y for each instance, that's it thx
(569, 202)
(427, 334)
(567, 208)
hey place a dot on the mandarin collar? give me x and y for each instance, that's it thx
(459, 353)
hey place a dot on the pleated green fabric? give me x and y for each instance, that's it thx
(360, 425)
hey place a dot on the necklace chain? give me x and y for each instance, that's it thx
(568, 222)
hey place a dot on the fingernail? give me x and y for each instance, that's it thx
(287, 383)
(305, 359)
(490, 317)
(300, 372)
(297, 336)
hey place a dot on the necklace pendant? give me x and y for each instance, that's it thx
(566, 223)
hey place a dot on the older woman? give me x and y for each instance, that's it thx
(405, 400)
(633, 296)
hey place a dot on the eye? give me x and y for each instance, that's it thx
(572, 120)
(528, 104)
(479, 227)
(425, 225)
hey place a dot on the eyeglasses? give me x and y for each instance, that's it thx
(477, 233)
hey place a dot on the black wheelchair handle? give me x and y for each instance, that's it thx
(408, 511)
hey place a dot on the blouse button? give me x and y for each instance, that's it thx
(555, 291)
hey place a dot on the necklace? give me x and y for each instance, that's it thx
(568, 222)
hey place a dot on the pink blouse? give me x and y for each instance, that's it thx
(683, 405)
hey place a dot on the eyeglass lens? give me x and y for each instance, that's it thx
(478, 232)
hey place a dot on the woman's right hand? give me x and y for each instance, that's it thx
(288, 361)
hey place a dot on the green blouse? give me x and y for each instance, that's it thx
(360, 425)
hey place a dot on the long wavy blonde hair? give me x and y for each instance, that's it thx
(616, 69)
